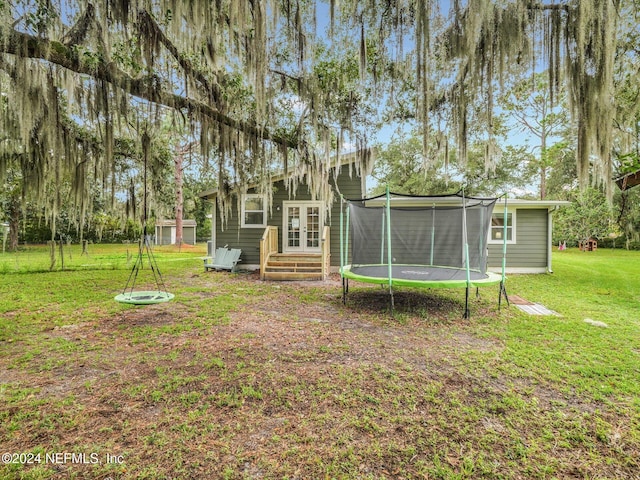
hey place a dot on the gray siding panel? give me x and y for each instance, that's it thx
(350, 187)
(248, 239)
(530, 249)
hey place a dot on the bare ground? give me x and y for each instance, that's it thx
(291, 383)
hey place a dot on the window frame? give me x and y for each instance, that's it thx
(249, 196)
(511, 227)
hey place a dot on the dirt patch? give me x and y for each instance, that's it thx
(289, 383)
(516, 300)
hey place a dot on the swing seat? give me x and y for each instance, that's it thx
(144, 297)
(224, 259)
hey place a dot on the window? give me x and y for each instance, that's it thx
(497, 228)
(254, 212)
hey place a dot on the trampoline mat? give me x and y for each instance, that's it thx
(418, 275)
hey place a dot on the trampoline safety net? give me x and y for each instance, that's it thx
(434, 235)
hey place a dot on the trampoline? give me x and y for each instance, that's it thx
(426, 276)
(421, 241)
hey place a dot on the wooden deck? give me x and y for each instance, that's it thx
(292, 266)
(287, 266)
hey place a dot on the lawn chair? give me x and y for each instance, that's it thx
(224, 259)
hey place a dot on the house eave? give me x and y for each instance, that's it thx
(345, 159)
(427, 202)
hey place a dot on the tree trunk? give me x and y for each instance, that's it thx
(179, 158)
(14, 224)
(543, 163)
(543, 182)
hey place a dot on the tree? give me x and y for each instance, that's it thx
(12, 207)
(403, 167)
(231, 67)
(532, 105)
(628, 214)
(180, 152)
(562, 179)
(588, 216)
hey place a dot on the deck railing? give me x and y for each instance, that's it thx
(326, 252)
(268, 246)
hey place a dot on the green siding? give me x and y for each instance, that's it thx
(350, 188)
(248, 239)
(530, 249)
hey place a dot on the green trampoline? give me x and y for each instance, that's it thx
(421, 241)
(425, 276)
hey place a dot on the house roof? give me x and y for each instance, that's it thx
(345, 159)
(629, 180)
(172, 223)
(518, 203)
(427, 201)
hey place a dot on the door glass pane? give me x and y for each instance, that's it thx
(313, 227)
(293, 224)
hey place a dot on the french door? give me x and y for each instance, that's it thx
(302, 226)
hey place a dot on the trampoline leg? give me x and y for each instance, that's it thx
(503, 291)
(477, 292)
(391, 303)
(466, 305)
(344, 291)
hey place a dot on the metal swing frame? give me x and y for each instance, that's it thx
(144, 297)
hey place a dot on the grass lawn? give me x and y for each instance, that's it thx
(242, 379)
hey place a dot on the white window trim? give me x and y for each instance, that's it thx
(490, 241)
(247, 196)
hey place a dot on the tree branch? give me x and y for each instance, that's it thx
(147, 88)
(147, 21)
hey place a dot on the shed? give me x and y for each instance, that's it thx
(166, 232)
(589, 246)
(4, 230)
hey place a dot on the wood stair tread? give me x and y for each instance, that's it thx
(271, 263)
(294, 266)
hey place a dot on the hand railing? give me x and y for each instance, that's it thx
(326, 252)
(268, 246)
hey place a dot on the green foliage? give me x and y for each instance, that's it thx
(628, 163)
(401, 165)
(531, 105)
(628, 215)
(589, 215)
(562, 175)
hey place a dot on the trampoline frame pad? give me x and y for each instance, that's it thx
(412, 276)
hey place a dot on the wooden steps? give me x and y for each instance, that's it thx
(294, 266)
